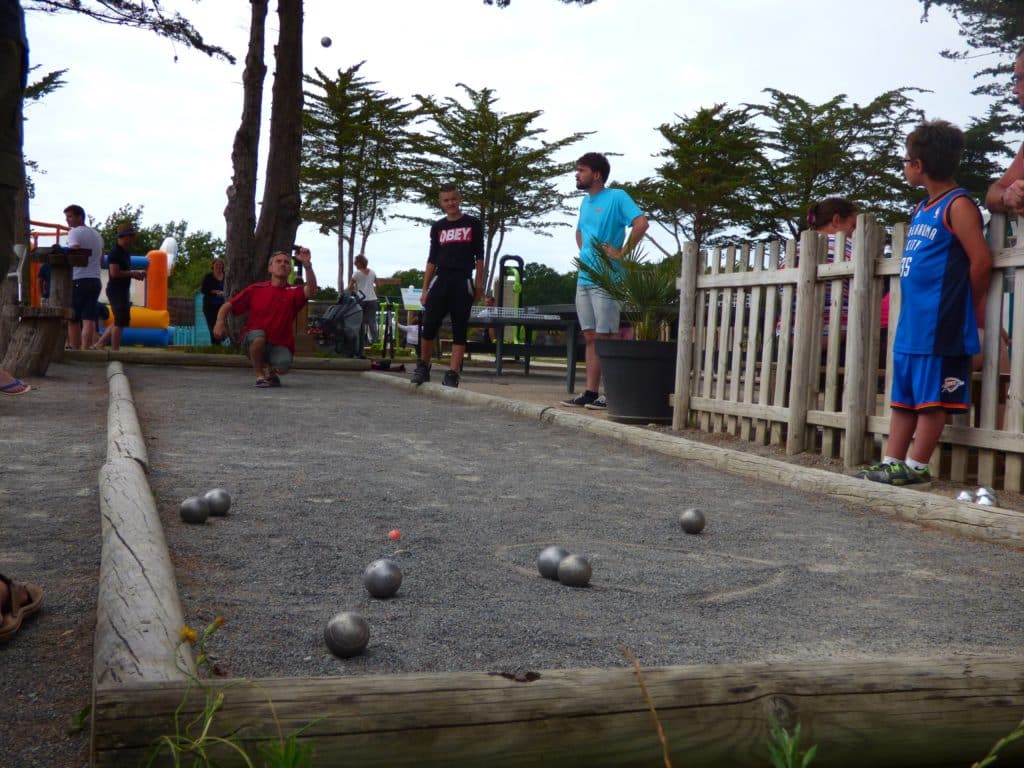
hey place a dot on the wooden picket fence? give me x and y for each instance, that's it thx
(754, 361)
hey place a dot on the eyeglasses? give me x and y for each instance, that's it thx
(1014, 79)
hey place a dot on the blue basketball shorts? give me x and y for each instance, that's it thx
(928, 382)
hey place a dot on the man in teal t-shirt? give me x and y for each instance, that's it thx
(604, 216)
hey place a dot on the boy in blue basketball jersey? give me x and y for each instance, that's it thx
(944, 279)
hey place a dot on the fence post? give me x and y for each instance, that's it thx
(687, 284)
(867, 245)
(805, 362)
(1013, 473)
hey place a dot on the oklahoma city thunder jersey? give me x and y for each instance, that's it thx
(937, 311)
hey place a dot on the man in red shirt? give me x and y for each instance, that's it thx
(268, 337)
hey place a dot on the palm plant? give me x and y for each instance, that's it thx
(647, 290)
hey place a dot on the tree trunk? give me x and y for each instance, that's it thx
(241, 260)
(9, 288)
(342, 285)
(279, 215)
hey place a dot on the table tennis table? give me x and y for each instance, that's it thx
(530, 319)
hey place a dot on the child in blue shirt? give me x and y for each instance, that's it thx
(944, 279)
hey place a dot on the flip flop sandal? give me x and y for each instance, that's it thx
(274, 380)
(10, 622)
(262, 383)
(6, 388)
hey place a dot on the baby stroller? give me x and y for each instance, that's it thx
(339, 327)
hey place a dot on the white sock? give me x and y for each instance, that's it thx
(917, 466)
(889, 460)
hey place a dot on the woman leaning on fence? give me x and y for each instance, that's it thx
(830, 217)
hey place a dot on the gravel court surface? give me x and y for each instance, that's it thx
(321, 469)
(52, 443)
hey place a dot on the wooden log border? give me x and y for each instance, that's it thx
(914, 712)
(124, 434)
(991, 524)
(139, 614)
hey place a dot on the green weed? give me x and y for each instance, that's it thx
(192, 744)
(784, 748)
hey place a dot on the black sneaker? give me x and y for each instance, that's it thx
(451, 378)
(598, 405)
(581, 401)
(421, 374)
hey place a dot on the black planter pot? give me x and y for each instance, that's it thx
(638, 378)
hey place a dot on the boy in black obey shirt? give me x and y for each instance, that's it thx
(456, 250)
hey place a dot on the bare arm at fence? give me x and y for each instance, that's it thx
(1007, 194)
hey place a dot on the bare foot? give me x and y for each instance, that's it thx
(21, 596)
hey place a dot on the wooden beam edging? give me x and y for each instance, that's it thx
(124, 434)
(892, 712)
(992, 524)
(138, 612)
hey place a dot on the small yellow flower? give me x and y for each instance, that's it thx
(189, 634)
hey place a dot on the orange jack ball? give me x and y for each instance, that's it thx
(395, 534)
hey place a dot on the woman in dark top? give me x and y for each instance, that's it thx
(213, 292)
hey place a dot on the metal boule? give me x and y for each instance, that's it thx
(194, 510)
(548, 560)
(692, 520)
(347, 634)
(382, 578)
(574, 571)
(219, 501)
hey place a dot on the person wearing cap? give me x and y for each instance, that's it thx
(119, 282)
(268, 337)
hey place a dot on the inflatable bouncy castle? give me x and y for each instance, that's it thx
(150, 323)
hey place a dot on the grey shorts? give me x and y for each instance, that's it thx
(596, 310)
(279, 358)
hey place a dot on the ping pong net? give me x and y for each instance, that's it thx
(509, 313)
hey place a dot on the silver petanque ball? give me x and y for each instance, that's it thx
(347, 634)
(574, 571)
(194, 509)
(985, 501)
(692, 520)
(219, 501)
(382, 578)
(548, 560)
(325, 42)
(985, 491)
(965, 496)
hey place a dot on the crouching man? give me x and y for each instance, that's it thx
(268, 337)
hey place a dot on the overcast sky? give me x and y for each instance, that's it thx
(134, 126)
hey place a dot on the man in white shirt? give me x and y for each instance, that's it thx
(85, 281)
(364, 280)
